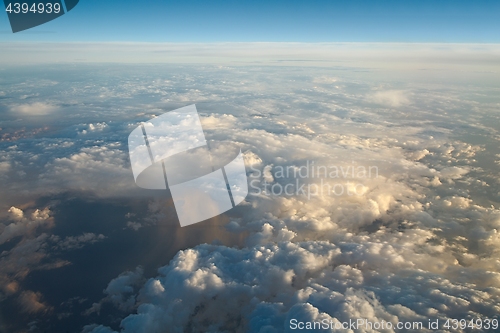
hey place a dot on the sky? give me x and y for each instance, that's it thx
(271, 21)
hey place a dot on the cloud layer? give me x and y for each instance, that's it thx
(417, 241)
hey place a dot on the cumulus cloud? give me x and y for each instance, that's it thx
(224, 289)
(31, 302)
(26, 232)
(34, 109)
(22, 225)
(25, 255)
(4, 167)
(391, 98)
(97, 127)
(453, 172)
(414, 242)
(214, 122)
(121, 291)
(77, 242)
(91, 169)
(395, 251)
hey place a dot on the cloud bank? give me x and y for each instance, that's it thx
(417, 241)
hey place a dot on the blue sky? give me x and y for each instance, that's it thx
(244, 21)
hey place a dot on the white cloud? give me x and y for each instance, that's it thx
(219, 288)
(391, 98)
(23, 225)
(77, 242)
(453, 172)
(121, 291)
(415, 242)
(25, 255)
(217, 122)
(92, 170)
(336, 257)
(31, 251)
(97, 127)
(34, 109)
(4, 167)
(392, 56)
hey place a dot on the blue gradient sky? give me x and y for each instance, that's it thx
(257, 20)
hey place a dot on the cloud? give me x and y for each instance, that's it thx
(391, 98)
(121, 291)
(30, 248)
(24, 255)
(22, 133)
(220, 288)
(97, 329)
(416, 241)
(22, 225)
(217, 122)
(35, 109)
(77, 242)
(4, 167)
(409, 246)
(31, 302)
(91, 169)
(453, 172)
(97, 127)
(388, 56)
